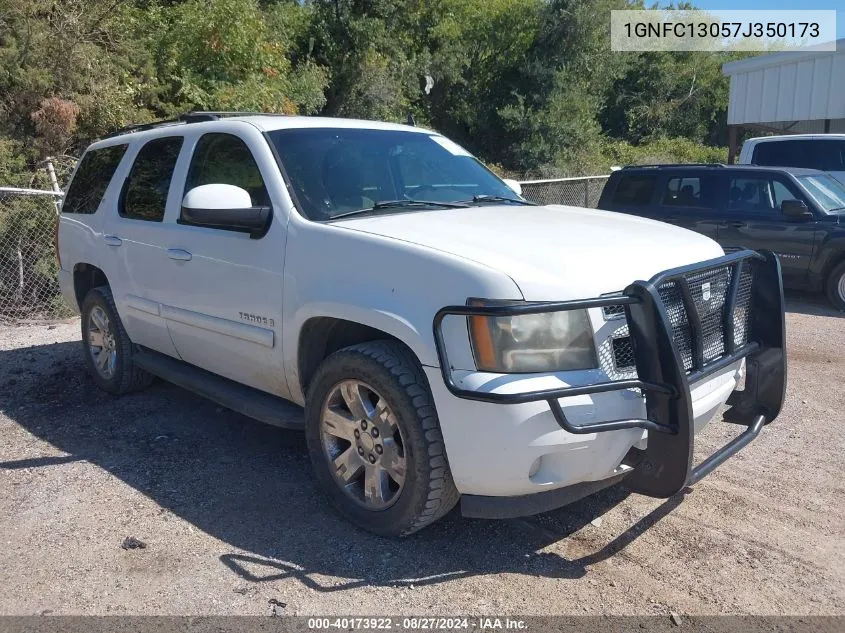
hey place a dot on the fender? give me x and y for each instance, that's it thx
(386, 284)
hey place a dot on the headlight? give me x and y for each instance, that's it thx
(554, 341)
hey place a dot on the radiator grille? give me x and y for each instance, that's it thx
(708, 295)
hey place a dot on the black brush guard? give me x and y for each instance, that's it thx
(665, 466)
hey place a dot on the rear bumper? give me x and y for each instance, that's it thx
(663, 465)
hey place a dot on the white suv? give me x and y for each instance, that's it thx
(446, 338)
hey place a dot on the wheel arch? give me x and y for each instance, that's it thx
(834, 261)
(321, 336)
(85, 278)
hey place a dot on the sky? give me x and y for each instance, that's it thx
(780, 5)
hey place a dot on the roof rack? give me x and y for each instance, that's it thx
(676, 165)
(195, 116)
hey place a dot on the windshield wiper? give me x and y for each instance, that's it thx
(489, 198)
(399, 204)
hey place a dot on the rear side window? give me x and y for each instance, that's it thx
(144, 194)
(92, 178)
(690, 191)
(826, 155)
(634, 190)
(225, 159)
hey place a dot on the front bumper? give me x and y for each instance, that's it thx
(664, 376)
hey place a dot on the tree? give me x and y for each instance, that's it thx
(224, 55)
(672, 94)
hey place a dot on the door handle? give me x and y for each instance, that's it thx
(736, 224)
(179, 254)
(112, 240)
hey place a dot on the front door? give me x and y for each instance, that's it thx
(755, 221)
(224, 308)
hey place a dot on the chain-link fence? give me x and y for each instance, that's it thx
(576, 192)
(29, 288)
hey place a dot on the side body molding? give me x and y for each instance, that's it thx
(244, 331)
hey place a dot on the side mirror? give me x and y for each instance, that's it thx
(514, 185)
(796, 210)
(225, 207)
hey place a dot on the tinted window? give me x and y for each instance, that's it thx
(145, 192)
(224, 159)
(758, 194)
(826, 155)
(92, 178)
(781, 192)
(338, 170)
(690, 191)
(752, 195)
(634, 190)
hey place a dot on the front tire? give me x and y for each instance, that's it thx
(375, 442)
(106, 345)
(835, 287)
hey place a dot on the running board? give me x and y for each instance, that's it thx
(250, 402)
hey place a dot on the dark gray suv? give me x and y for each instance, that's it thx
(797, 213)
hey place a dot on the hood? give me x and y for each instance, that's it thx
(553, 252)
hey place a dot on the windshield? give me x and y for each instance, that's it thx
(339, 171)
(826, 190)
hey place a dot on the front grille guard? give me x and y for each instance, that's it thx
(665, 467)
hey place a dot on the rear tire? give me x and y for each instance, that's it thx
(381, 460)
(106, 346)
(835, 286)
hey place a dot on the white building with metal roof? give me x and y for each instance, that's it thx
(799, 92)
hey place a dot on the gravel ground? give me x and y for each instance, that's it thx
(227, 514)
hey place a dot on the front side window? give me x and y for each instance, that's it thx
(341, 171)
(92, 177)
(751, 195)
(758, 195)
(781, 192)
(224, 159)
(145, 192)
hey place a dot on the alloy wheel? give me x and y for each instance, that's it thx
(102, 344)
(363, 444)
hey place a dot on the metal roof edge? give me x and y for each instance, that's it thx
(776, 59)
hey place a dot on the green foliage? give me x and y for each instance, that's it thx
(223, 55)
(669, 94)
(663, 150)
(13, 168)
(530, 85)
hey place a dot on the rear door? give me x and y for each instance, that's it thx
(133, 235)
(693, 200)
(755, 221)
